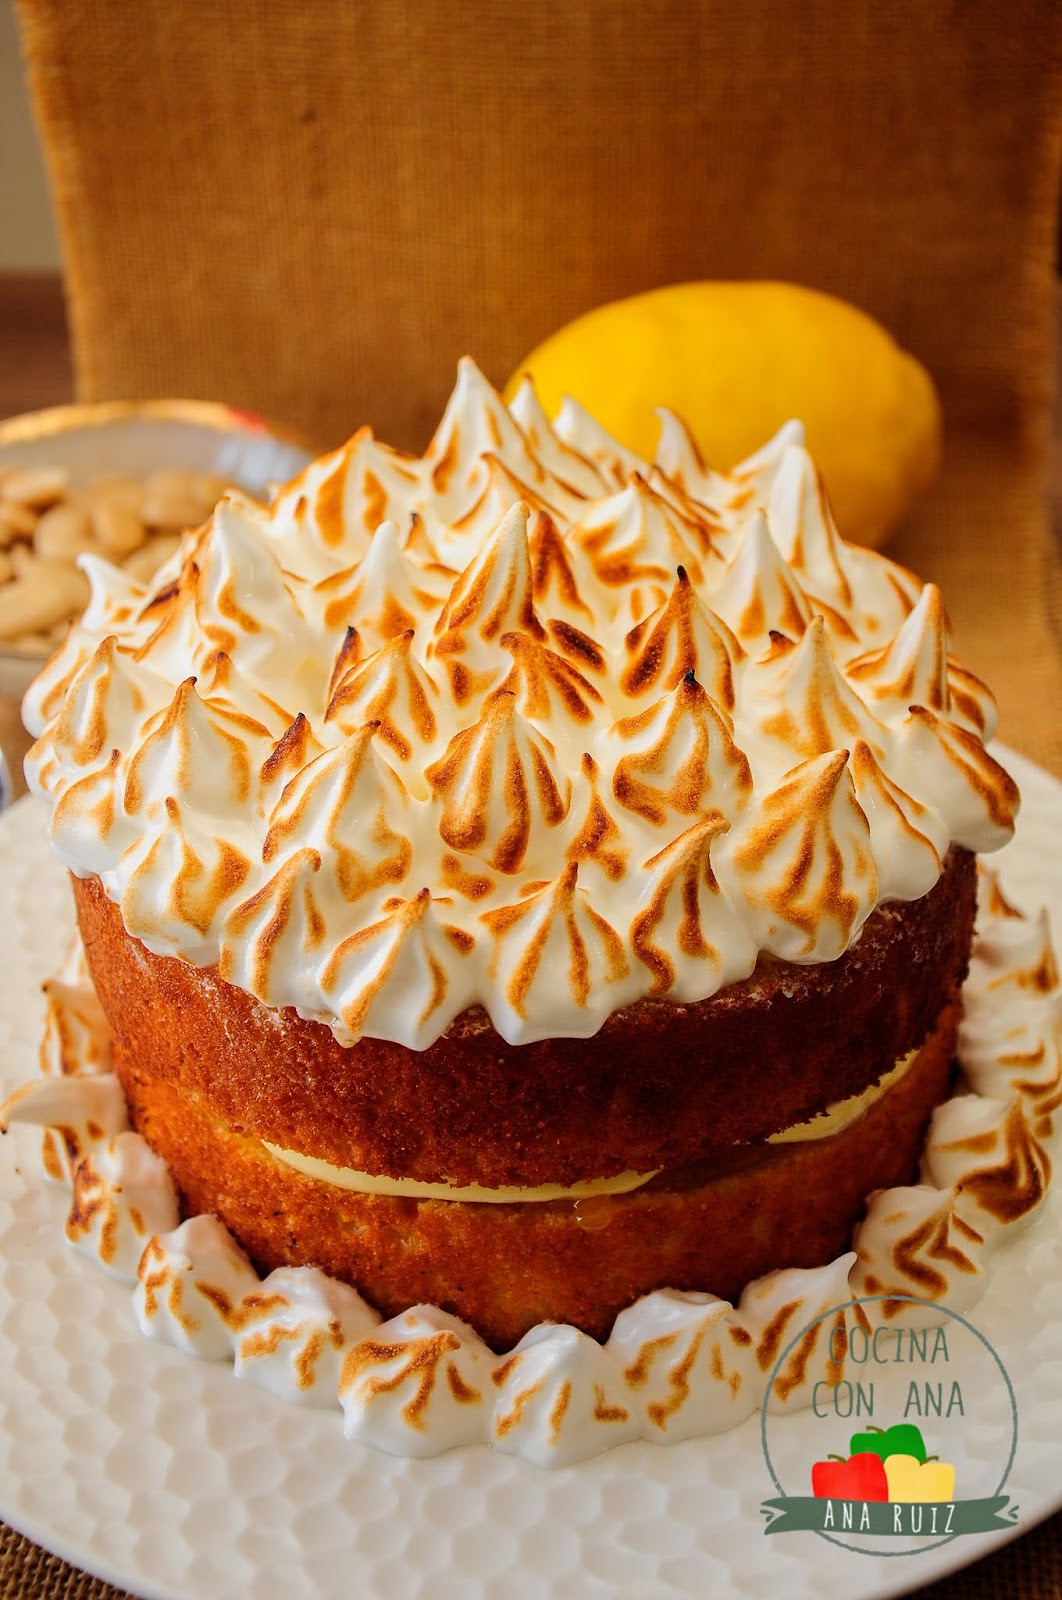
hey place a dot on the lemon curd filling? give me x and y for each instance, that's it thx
(843, 1113)
(411, 1189)
(824, 1125)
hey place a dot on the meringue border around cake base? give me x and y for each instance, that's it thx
(676, 1364)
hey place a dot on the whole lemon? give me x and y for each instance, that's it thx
(736, 360)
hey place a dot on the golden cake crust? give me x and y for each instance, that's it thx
(659, 1086)
(505, 1268)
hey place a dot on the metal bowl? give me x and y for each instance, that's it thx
(135, 438)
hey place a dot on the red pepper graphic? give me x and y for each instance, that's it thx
(861, 1477)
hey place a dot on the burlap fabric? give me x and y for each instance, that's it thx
(314, 210)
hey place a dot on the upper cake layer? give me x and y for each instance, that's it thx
(524, 722)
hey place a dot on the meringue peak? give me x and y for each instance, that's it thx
(599, 839)
(498, 790)
(686, 931)
(501, 489)
(802, 526)
(948, 768)
(109, 687)
(295, 749)
(634, 541)
(548, 688)
(554, 930)
(758, 470)
(494, 591)
(270, 936)
(391, 690)
(402, 947)
(554, 567)
(679, 759)
(339, 501)
(377, 597)
(816, 711)
(759, 593)
(115, 597)
(912, 669)
(563, 462)
(347, 656)
(909, 839)
(475, 423)
(682, 636)
(195, 749)
(202, 874)
(575, 427)
(492, 596)
(803, 860)
(347, 800)
(679, 458)
(236, 561)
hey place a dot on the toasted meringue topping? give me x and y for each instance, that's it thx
(807, 860)
(526, 722)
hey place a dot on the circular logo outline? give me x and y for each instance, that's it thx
(869, 1299)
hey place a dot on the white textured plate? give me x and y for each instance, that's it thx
(165, 1475)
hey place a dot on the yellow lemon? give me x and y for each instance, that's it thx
(736, 360)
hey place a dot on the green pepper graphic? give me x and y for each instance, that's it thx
(902, 1439)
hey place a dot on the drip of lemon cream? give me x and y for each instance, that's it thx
(824, 1125)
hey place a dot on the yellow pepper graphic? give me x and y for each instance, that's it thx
(914, 1482)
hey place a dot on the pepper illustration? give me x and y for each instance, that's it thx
(902, 1439)
(861, 1477)
(915, 1482)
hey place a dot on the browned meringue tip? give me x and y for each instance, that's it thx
(995, 901)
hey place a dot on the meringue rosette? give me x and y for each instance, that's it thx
(525, 605)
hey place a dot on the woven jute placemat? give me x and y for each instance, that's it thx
(1028, 1569)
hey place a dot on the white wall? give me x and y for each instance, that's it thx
(27, 233)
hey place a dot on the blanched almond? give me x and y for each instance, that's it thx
(16, 522)
(143, 564)
(115, 486)
(117, 526)
(134, 523)
(46, 592)
(209, 487)
(177, 499)
(34, 486)
(62, 533)
(168, 511)
(21, 556)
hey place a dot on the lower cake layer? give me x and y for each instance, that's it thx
(714, 1225)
